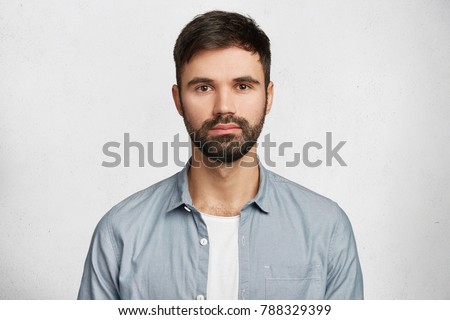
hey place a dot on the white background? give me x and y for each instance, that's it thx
(77, 74)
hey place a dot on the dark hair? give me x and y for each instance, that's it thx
(220, 29)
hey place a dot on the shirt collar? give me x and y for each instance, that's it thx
(180, 194)
(261, 199)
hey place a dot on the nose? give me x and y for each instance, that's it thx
(224, 103)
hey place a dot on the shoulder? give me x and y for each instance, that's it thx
(285, 191)
(141, 206)
(290, 189)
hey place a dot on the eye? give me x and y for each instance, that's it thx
(243, 86)
(203, 88)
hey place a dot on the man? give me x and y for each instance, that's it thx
(224, 227)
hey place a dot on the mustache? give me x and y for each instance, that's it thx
(209, 124)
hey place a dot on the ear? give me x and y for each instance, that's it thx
(269, 96)
(176, 99)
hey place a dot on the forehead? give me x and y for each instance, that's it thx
(222, 63)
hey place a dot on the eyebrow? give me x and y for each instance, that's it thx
(198, 80)
(248, 79)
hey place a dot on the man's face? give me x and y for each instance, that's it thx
(223, 101)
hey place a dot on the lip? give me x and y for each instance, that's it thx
(225, 128)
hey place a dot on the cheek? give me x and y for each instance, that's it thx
(196, 110)
(252, 109)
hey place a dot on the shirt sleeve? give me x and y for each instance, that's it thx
(344, 277)
(100, 276)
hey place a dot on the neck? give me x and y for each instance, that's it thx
(223, 189)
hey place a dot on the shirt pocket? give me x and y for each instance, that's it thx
(293, 282)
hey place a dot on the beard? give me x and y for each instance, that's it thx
(225, 148)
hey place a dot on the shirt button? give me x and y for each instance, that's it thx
(203, 241)
(200, 297)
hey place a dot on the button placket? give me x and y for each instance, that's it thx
(203, 255)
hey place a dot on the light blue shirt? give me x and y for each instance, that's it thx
(293, 244)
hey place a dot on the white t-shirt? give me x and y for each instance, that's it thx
(223, 266)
